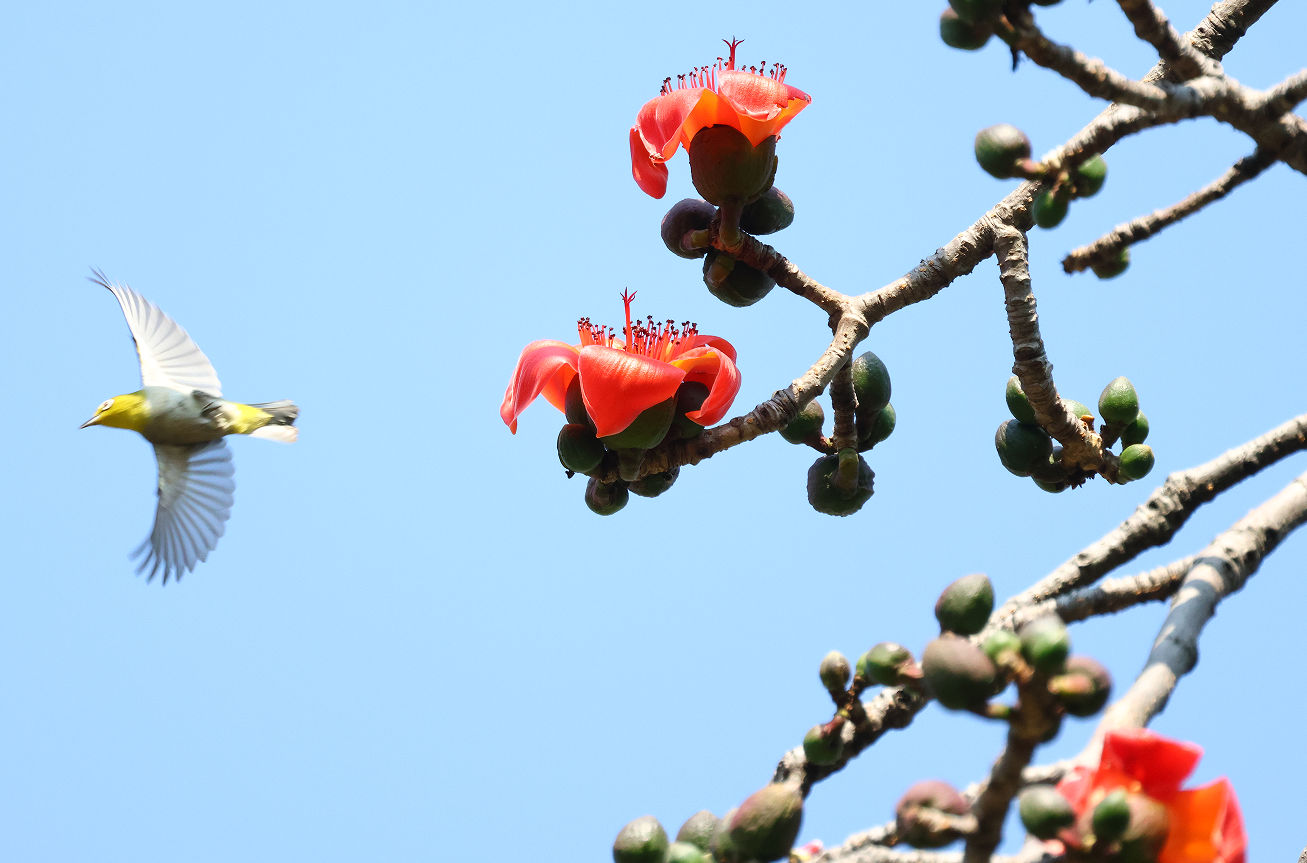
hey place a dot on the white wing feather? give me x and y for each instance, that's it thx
(168, 356)
(195, 497)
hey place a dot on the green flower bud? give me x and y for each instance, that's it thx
(654, 484)
(870, 384)
(1078, 409)
(773, 212)
(725, 167)
(1049, 209)
(734, 282)
(1111, 817)
(958, 673)
(1135, 432)
(957, 33)
(885, 663)
(1045, 812)
(1090, 176)
(1150, 825)
(1136, 461)
(805, 424)
(822, 746)
(1018, 403)
(642, 841)
(690, 396)
(691, 214)
(1045, 644)
(574, 405)
(1119, 403)
(698, 829)
(1000, 148)
(647, 430)
(834, 671)
(881, 427)
(1001, 641)
(976, 10)
(605, 498)
(1084, 687)
(1021, 447)
(929, 795)
(578, 448)
(1114, 267)
(1054, 487)
(686, 852)
(826, 496)
(965, 605)
(766, 825)
(721, 846)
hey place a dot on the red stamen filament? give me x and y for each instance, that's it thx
(705, 77)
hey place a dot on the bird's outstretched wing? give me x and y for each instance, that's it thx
(195, 497)
(168, 356)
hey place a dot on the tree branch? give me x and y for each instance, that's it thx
(1153, 27)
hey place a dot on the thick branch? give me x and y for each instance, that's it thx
(843, 403)
(763, 257)
(1153, 27)
(992, 805)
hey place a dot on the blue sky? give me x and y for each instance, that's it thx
(414, 639)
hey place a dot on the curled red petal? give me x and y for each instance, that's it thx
(1159, 763)
(649, 175)
(617, 386)
(756, 96)
(711, 341)
(1206, 826)
(537, 368)
(1232, 839)
(718, 371)
(660, 120)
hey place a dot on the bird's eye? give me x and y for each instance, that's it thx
(108, 404)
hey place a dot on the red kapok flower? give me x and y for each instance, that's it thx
(623, 377)
(1206, 823)
(754, 101)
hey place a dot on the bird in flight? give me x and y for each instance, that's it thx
(180, 409)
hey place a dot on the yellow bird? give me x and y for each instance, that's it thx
(180, 410)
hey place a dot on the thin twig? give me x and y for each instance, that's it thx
(1152, 26)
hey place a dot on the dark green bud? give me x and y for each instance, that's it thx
(605, 498)
(1045, 812)
(578, 448)
(834, 672)
(1053, 486)
(691, 214)
(773, 212)
(654, 484)
(766, 825)
(885, 663)
(686, 852)
(1114, 267)
(965, 605)
(642, 841)
(881, 427)
(822, 746)
(1150, 825)
(725, 167)
(1136, 461)
(806, 423)
(698, 829)
(976, 10)
(574, 405)
(647, 430)
(690, 396)
(734, 282)
(1135, 432)
(999, 149)
(929, 795)
(720, 846)
(1111, 817)
(958, 673)
(825, 494)
(1001, 641)
(1018, 403)
(1050, 209)
(1119, 403)
(1084, 688)
(870, 384)
(1045, 644)
(1022, 447)
(1090, 176)
(957, 33)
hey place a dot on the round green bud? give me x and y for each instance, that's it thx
(574, 405)
(1084, 688)
(739, 285)
(834, 671)
(686, 852)
(958, 673)
(1001, 641)
(976, 10)
(1150, 825)
(1119, 403)
(932, 795)
(884, 663)
(1114, 267)
(1090, 176)
(725, 167)
(827, 497)
(691, 214)
(720, 846)
(773, 212)
(1111, 817)
(965, 605)
(1022, 447)
(822, 746)
(1053, 486)
(1078, 409)
(1045, 812)
(766, 825)
(690, 396)
(578, 448)
(870, 384)
(1136, 461)
(957, 33)
(1049, 209)
(605, 498)
(1000, 148)
(806, 423)
(1018, 403)
(647, 430)
(1135, 432)
(642, 841)
(654, 484)
(698, 829)
(881, 427)
(1045, 644)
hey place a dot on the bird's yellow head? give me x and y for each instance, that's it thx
(123, 412)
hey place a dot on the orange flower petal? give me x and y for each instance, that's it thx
(757, 96)
(617, 386)
(537, 367)
(1206, 826)
(712, 367)
(649, 175)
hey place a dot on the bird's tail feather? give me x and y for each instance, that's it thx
(282, 434)
(283, 412)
